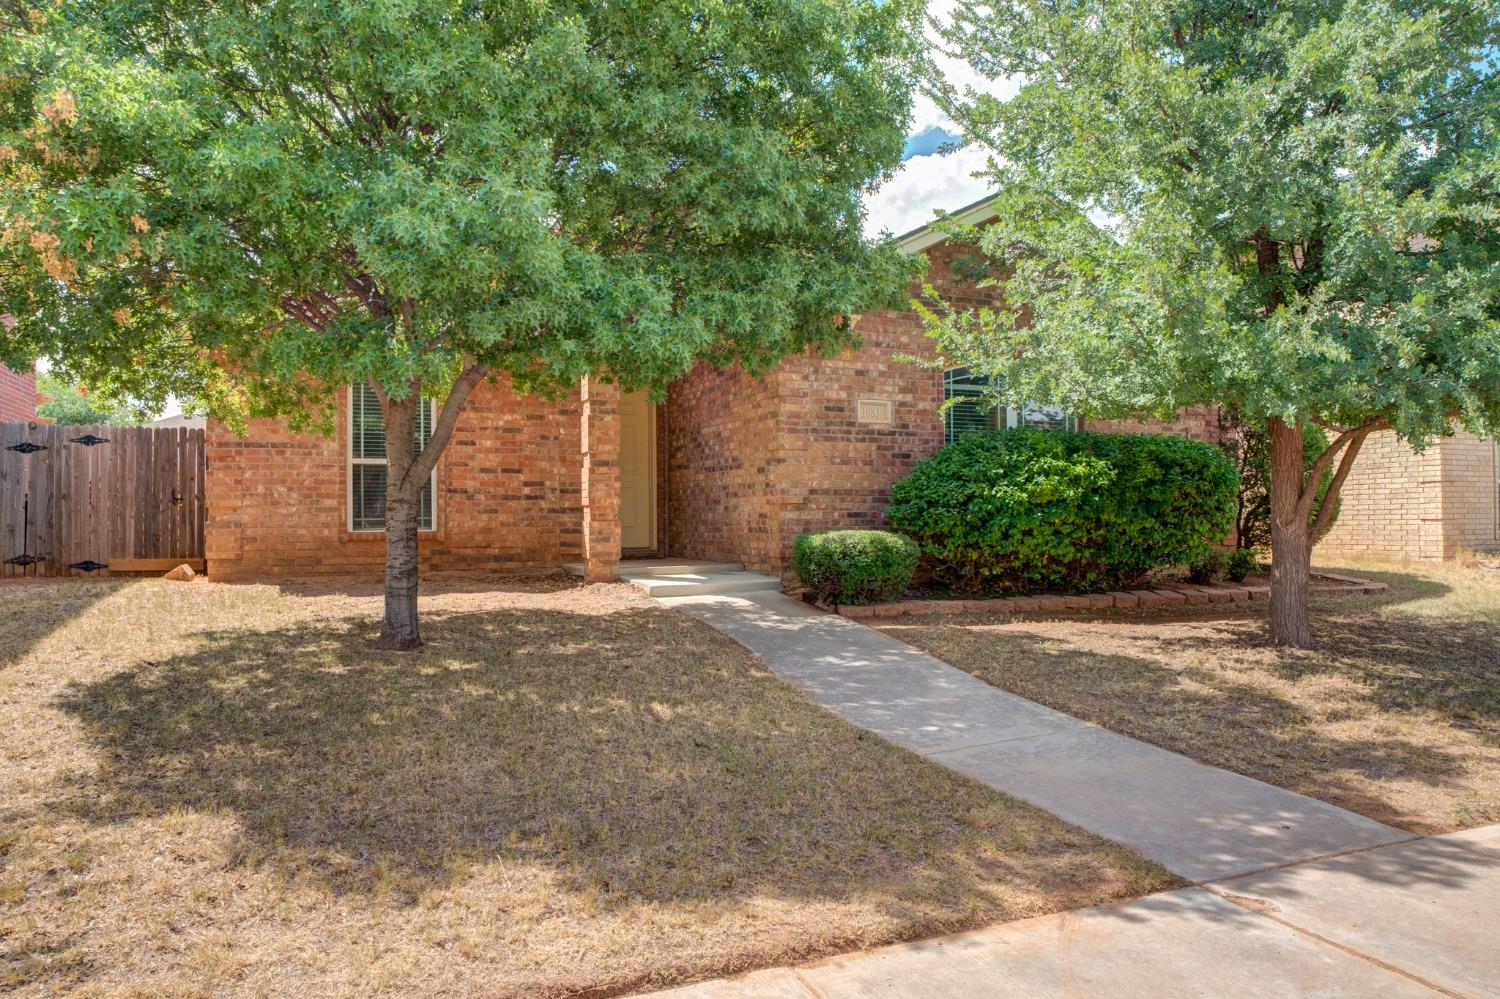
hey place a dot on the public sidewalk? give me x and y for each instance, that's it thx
(1417, 919)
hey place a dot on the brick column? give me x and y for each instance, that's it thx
(223, 544)
(601, 480)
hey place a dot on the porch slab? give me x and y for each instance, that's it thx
(689, 584)
(632, 567)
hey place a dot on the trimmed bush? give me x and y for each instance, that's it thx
(855, 567)
(1242, 562)
(1210, 568)
(1019, 511)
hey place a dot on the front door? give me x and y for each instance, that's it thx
(637, 472)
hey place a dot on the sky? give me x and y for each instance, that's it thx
(929, 181)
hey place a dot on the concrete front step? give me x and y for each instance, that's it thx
(703, 584)
(636, 567)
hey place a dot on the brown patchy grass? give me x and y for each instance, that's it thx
(221, 790)
(1396, 715)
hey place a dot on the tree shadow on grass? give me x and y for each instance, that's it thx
(35, 609)
(1449, 667)
(432, 583)
(631, 757)
(1370, 734)
(1405, 587)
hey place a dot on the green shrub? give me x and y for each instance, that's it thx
(855, 567)
(1242, 562)
(1033, 510)
(1210, 568)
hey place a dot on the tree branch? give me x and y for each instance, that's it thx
(304, 312)
(1331, 497)
(1314, 474)
(442, 428)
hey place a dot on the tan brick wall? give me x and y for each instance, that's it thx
(1390, 504)
(508, 494)
(17, 395)
(1471, 520)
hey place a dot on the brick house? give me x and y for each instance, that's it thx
(726, 468)
(17, 394)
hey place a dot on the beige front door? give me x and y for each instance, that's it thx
(637, 472)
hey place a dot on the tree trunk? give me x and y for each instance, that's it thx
(407, 471)
(1291, 548)
(403, 493)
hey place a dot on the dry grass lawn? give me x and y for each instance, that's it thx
(1396, 715)
(210, 789)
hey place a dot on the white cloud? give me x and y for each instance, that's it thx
(925, 111)
(924, 186)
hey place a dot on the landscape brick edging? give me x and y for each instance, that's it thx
(1177, 594)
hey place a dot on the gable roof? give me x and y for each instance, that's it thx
(927, 235)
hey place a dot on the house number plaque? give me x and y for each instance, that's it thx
(873, 411)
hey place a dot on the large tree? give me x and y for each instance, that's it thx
(1285, 208)
(67, 402)
(254, 203)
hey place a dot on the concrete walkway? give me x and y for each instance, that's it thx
(1294, 897)
(1418, 919)
(1197, 821)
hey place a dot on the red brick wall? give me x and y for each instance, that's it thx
(17, 395)
(838, 471)
(754, 464)
(724, 493)
(599, 469)
(508, 495)
(744, 464)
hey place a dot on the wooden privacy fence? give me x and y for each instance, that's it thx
(79, 500)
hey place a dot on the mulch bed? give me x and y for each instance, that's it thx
(1161, 594)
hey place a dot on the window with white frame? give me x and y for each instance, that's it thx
(367, 464)
(972, 412)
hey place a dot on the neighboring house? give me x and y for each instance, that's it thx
(726, 468)
(1430, 506)
(17, 395)
(186, 422)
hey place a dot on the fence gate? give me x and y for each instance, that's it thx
(74, 500)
